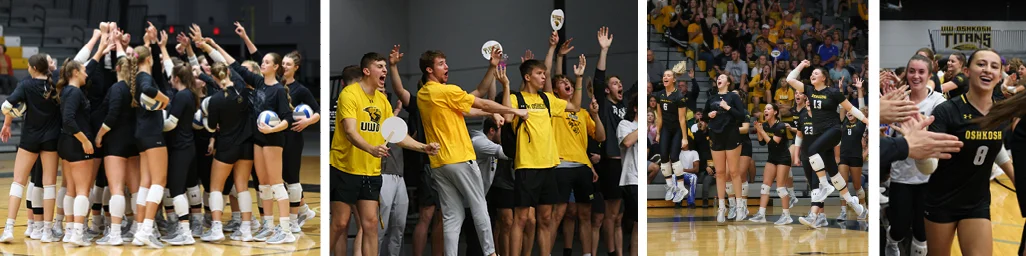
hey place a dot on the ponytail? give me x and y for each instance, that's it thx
(66, 73)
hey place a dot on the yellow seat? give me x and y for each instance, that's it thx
(701, 65)
(19, 63)
(14, 51)
(690, 54)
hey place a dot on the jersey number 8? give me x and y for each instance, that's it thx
(981, 155)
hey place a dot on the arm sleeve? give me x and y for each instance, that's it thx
(148, 88)
(305, 96)
(283, 108)
(736, 107)
(249, 77)
(68, 106)
(114, 99)
(209, 80)
(256, 56)
(213, 115)
(893, 149)
(599, 84)
(18, 95)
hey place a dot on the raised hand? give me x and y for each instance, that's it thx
(527, 56)
(196, 33)
(605, 38)
(566, 47)
(163, 39)
(553, 39)
(395, 56)
(858, 83)
(500, 74)
(579, 68)
(804, 64)
(496, 57)
(182, 39)
(593, 107)
(240, 30)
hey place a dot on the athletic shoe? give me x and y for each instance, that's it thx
(152, 241)
(741, 215)
(294, 226)
(110, 239)
(281, 237)
(216, 234)
(57, 230)
(196, 225)
(865, 213)
(232, 225)
(138, 237)
(67, 235)
(809, 221)
(917, 248)
(49, 236)
(731, 212)
(78, 238)
(760, 218)
(127, 236)
(264, 233)
(821, 221)
(28, 230)
(670, 192)
(824, 192)
(242, 235)
(36, 231)
(8, 235)
(784, 219)
(719, 215)
(305, 216)
(254, 224)
(843, 217)
(892, 249)
(794, 200)
(207, 218)
(172, 232)
(682, 192)
(184, 237)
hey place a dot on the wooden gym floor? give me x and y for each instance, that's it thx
(687, 231)
(307, 243)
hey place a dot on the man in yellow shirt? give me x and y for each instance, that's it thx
(455, 173)
(357, 149)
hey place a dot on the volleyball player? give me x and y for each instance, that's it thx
(184, 104)
(907, 184)
(300, 212)
(826, 133)
(40, 132)
(803, 128)
(672, 113)
(851, 147)
(778, 164)
(75, 145)
(956, 81)
(726, 113)
(959, 200)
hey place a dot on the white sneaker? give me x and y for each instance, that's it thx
(892, 249)
(152, 241)
(184, 237)
(242, 235)
(196, 226)
(821, 221)
(110, 239)
(682, 192)
(281, 237)
(254, 224)
(741, 215)
(49, 236)
(719, 215)
(294, 226)
(760, 218)
(216, 234)
(28, 230)
(58, 229)
(264, 233)
(843, 217)
(670, 192)
(793, 200)
(784, 219)
(79, 238)
(824, 192)
(8, 235)
(305, 216)
(810, 221)
(731, 212)
(232, 225)
(36, 231)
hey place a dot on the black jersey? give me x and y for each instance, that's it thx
(669, 105)
(610, 113)
(120, 117)
(824, 107)
(75, 112)
(851, 138)
(963, 182)
(229, 111)
(266, 96)
(805, 123)
(725, 119)
(301, 95)
(777, 149)
(962, 82)
(746, 138)
(1018, 144)
(183, 107)
(148, 123)
(42, 115)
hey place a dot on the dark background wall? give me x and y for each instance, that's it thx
(460, 27)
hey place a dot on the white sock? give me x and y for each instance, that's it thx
(10, 222)
(236, 216)
(823, 181)
(304, 208)
(762, 210)
(285, 223)
(723, 203)
(787, 211)
(245, 227)
(294, 216)
(844, 208)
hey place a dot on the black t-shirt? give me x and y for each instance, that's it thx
(777, 150)
(963, 86)
(42, 115)
(75, 112)
(229, 111)
(824, 107)
(725, 121)
(610, 114)
(183, 106)
(301, 95)
(120, 117)
(669, 105)
(851, 138)
(148, 123)
(805, 123)
(413, 159)
(962, 183)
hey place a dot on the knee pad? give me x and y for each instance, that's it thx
(49, 192)
(665, 168)
(30, 194)
(730, 188)
(117, 206)
(37, 196)
(60, 196)
(216, 201)
(744, 188)
(781, 192)
(838, 182)
(69, 205)
(17, 190)
(265, 192)
(194, 195)
(155, 194)
(181, 205)
(678, 168)
(245, 202)
(96, 195)
(918, 248)
(167, 199)
(280, 193)
(861, 193)
(816, 162)
(233, 193)
(143, 193)
(81, 206)
(764, 190)
(295, 193)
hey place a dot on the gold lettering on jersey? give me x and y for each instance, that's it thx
(966, 38)
(537, 106)
(369, 127)
(983, 135)
(819, 96)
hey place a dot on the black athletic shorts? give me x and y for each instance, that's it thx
(70, 149)
(500, 198)
(630, 201)
(598, 203)
(269, 140)
(426, 193)
(533, 187)
(234, 154)
(357, 187)
(949, 216)
(49, 146)
(121, 146)
(336, 190)
(576, 180)
(781, 159)
(852, 161)
(727, 140)
(609, 178)
(147, 143)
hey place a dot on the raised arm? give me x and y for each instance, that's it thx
(605, 39)
(563, 51)
(792, 78)
(575, 104)
(487, 83)
(397, 81)
(241, 31)
(553, 41)
(600, 130)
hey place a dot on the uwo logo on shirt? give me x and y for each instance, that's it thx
(375, 119)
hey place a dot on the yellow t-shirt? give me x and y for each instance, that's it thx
(535, 149)
(572, 131)
(369, 112)
(785, 95)
(441, 109)
(717, 43)
(757, 87)
(695, 28)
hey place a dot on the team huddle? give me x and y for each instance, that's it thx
(528, 160)
(133, 135)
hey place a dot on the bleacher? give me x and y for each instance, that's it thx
(669, 51)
